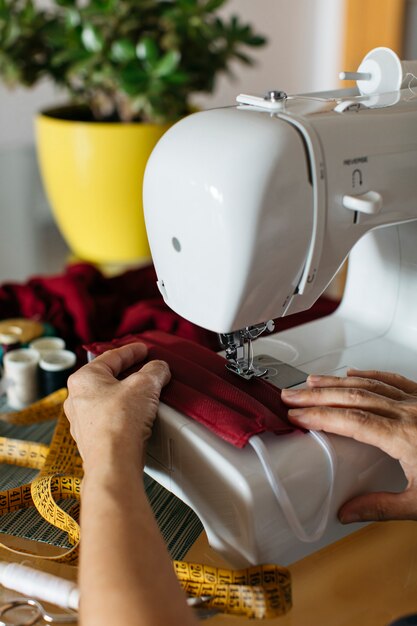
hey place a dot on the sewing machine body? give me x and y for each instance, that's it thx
(258, 231)
(245, 210)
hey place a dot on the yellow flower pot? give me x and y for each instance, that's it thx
(93, 173)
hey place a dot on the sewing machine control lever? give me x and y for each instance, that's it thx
(369, 202)
(239, 350)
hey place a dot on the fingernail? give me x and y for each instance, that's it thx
(314, 378)
(300, 416)
(290, 392)
(349, 518)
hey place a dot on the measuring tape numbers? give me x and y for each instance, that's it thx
(262, 591)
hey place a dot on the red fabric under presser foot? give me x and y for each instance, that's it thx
(202, 388)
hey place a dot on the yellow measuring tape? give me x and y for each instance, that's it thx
(262, 592)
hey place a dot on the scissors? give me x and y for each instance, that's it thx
(37, 614)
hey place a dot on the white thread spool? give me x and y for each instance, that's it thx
(381, 71)
(21, 374)
(36, 584)
(46, 344)
(9, 341)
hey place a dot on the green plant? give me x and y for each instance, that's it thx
(125, 59)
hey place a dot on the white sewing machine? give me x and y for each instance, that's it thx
(250, 212)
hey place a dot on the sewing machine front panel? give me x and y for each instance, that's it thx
(234, 217)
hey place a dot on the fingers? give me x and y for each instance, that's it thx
(120, 359)
(381, 506)
(395, 380)
(155, 374)
(360, 425)
(342, 397)
(384, 383)
(355, 380)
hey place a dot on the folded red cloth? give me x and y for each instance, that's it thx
(202, 388)
(83, 306)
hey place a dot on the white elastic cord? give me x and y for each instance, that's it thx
(281, 494)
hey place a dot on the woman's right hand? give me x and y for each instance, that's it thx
(377, 408)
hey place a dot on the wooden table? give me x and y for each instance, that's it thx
(367, 579)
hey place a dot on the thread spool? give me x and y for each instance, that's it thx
(9, 341)
(55, 367)
(34, 583)
(21, 374)
(381, 71)
(47, 344)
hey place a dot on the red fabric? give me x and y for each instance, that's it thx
(202, 388)
(84, 306)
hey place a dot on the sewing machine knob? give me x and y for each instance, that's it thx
(369, 202)
(275, 95)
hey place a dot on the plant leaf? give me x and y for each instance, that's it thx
(133, 80)
(167, 64)
(92, 38)
(213, 5)
(147, 50)
(123, 50)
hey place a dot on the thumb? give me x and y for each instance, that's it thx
(381, 506)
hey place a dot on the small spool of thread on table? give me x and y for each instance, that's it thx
(8, 341)
(47, 344)
(55, 366)
(34, 583)
(21, 374)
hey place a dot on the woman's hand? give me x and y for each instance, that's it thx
(104, 411)
(377, 408)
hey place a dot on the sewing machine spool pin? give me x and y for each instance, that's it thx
(355, 76)
(238, 347)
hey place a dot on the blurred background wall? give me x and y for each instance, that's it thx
(309, 43)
